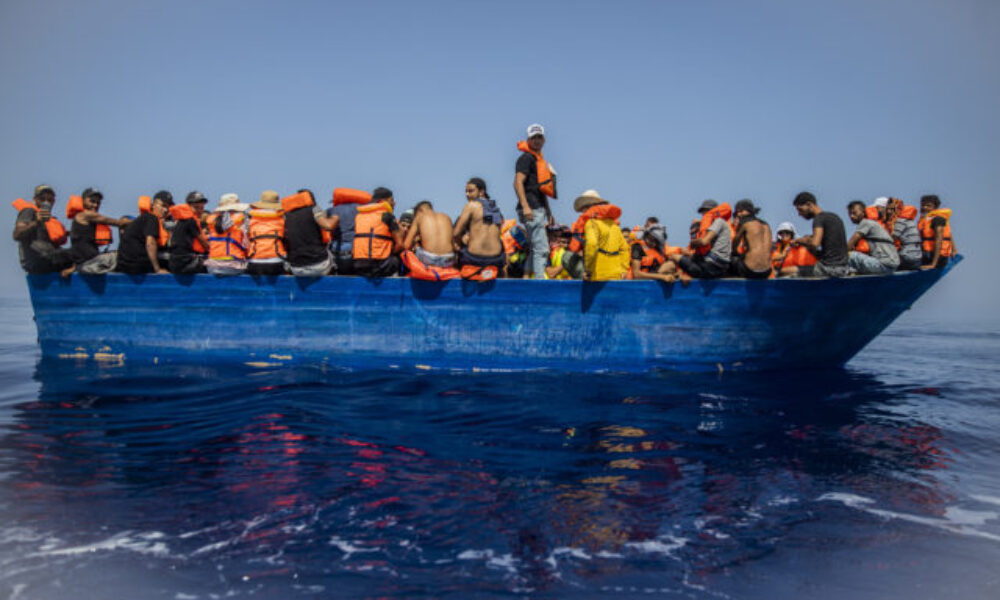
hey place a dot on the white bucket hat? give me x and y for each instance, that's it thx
(231, 202)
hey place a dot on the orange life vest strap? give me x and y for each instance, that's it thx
(546, 182)
(295, 201)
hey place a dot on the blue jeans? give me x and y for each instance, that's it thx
(538, 239)
(862, 264)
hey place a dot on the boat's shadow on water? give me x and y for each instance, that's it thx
(494, 482)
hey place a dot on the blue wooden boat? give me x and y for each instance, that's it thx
(359, 323)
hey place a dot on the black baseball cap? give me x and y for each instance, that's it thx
(195, 197)
(164, 196)
(91, 191)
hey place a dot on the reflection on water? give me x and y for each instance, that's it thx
(194, 481)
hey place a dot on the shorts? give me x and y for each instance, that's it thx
(740, 269)
(324, 267)
(435, 260)
(388, 267)
(821, 270)
(702, 267)
(467, 258)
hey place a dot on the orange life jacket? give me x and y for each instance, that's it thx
(474, 273)
(927, 231)
(55, 229)
(600, 211)
(652, 259)
(512, 238)
(722, 211)
(419, 270)
(372, 238)
(230, 244)
(350, 196)
(546, 180)
(266, 234)
(102, 232)
(895, 209)
(146, 206)
(181, 212)
(301, 200)
(796, 256)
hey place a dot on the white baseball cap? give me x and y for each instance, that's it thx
(881, 201)
(535, 129)
(786, 226)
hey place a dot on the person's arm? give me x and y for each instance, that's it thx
(548, 211)
(706, 240)
(24, 226)
(328, 223)
(938, 242)
(519, 179)
(813, 241)
(462, 224)
(855, 238)
(741, 233)
(154, 260)
(412, 233)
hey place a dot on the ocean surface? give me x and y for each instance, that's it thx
(187, 482)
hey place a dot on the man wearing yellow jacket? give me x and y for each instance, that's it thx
(605, 251)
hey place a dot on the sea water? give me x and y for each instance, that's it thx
(199, 481)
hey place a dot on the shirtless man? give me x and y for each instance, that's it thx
(481, 221)
(755, 234)
(430, 236)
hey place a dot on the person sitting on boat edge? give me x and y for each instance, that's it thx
(188, 244)
(935, 233)
(828, 241)
(227, 237)
(871, 250)
(787, 256)
(39, 234)
(755, 236)
(482, 255)
(534, 184)
(89, 232)
(144, 238)
(711, 247)
(431, 237)
(377, 239)
(900, 220)
(605, 251)
(649, 256)
(266, 236)
(307, 228)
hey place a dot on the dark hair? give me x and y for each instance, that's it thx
(855, 202)
(422, 204)
(217, 225)
(480, 185)
(381, 193)
(308, 191)
(804, 198)
(164, 196)
(652, 220)
(932, 198)
(746, 205)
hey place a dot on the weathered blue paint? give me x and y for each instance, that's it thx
(508, 324)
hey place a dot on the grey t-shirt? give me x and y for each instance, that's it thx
(905, 230)
(883, 249)
(722, 247)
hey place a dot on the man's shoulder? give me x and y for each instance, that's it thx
(26, 214)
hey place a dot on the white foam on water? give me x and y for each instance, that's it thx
(662, 545)
(986, 499)
(956, 520)
(504, 561)
(141, 543)
(552, 559)
(214, 546)
(349, 548)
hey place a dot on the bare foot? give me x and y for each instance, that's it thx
(67, 271)
(685, 278)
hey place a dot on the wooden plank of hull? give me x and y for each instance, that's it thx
(359, 323)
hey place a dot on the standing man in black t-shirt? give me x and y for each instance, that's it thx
(533, 199)
(139, 247)
(828, 240)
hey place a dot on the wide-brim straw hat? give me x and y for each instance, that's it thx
(587, 199)
(231, 202)
(269, 200)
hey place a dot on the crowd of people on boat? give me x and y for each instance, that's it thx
(360, 234)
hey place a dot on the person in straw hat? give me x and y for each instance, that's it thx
(227, 237)
(265, 236)
(605, 250)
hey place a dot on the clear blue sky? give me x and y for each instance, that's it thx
(658, 105)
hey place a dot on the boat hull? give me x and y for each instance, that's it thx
(354, 322)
